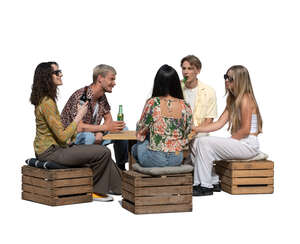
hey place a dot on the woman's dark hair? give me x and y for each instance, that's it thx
(167, 82)
(43, 84)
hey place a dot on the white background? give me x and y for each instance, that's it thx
(137, 37)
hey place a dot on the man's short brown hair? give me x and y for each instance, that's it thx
(193, 60)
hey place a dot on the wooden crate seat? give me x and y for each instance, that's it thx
(57, 186)
(246, 177)
(156, 194)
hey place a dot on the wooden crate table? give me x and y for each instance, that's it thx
(246, 177)
(144, 194)
(129, 135)
(57, 186)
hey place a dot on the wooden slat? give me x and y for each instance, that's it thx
(73, 182)
(156, 200)
(163, 190)
(168, 180)
(57, 191)
(37, 190)
(127, 205)
(244, 173)
(156, 208)
(259, 164)
(127, 187)
(40, 182)
(236, 190)
(164, 208)
(156, 190)
(51, 201)
(56, 173)
(164, 181)
(128, 179)
(56, 183)
(70, 173)
(70, 190)
(131, 159)
(163, 200)
(35, 172)
(74, 199)
(128, 195)
(247, 181)
(29, 196)
(123, 135)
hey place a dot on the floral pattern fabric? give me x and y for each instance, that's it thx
(166, 134)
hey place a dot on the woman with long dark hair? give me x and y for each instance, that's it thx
(165, 123)
(245, 123)
(52, 140)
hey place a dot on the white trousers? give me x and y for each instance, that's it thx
(207, 149)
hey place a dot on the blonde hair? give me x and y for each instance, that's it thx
(102, 70)
(241, 86)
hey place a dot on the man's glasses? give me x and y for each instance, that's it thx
(57, 72)
(227, 77)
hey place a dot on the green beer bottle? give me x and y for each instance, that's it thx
(120, 114)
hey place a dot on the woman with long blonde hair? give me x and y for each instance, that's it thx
(244, 122)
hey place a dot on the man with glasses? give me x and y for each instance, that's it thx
(201, 98)
(90, 130)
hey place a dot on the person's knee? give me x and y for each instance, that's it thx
(106, 152)
(89, 138)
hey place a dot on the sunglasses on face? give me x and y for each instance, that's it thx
(57, 72)
(227, 77)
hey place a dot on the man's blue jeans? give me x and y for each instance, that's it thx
(148, 158)
(120, 146)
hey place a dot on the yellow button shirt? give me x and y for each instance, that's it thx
(205, 104)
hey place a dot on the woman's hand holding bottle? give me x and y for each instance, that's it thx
(81, 112)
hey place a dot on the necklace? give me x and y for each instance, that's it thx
(169, 106)
(169, 103)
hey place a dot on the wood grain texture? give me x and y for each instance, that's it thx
(156, 208)
(247, 181)
(156, 194)
(57, 187)
(244, 173)
(52, 174)
(156, 200)
(258, 164)
(237, 190)
(123, 135)
(246, 177)
(57, 201)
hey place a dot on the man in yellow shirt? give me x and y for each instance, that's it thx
(203, 102)
(201, 97)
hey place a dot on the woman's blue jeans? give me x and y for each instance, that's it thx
(149, 158)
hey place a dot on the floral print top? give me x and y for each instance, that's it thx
(166, 134)
(49, 128)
